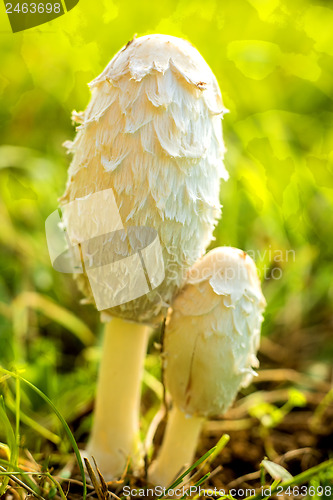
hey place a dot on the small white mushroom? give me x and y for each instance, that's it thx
(151, 133)
(210, 345)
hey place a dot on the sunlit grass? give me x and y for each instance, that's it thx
(274, 64)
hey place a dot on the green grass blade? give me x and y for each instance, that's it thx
(203, 479)
(11, 441)
(62, 420)
(31, 484)
(12, 476)
(30, 422)
(198, 483)
(221, 444)
(180, 479)
(57, 485)
(17, 413)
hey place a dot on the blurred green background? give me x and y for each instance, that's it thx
(274, 62)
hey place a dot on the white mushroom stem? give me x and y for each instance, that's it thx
(210, 345)
(178, 449)
(115, 432)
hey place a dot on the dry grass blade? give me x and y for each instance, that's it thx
(243, 479)
(21, 484)
(114, 495)
(70, 480)
(290, 375)
(101, 478)
(93, 478)
(157, 419)
(56, 313)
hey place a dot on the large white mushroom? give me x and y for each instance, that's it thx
(211, 341)
(151, 134)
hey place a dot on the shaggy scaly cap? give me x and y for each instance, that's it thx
(152, 132)
(213, 333)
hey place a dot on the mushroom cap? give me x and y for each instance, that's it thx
(159, 53)
(151, 133)
(213, 332)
